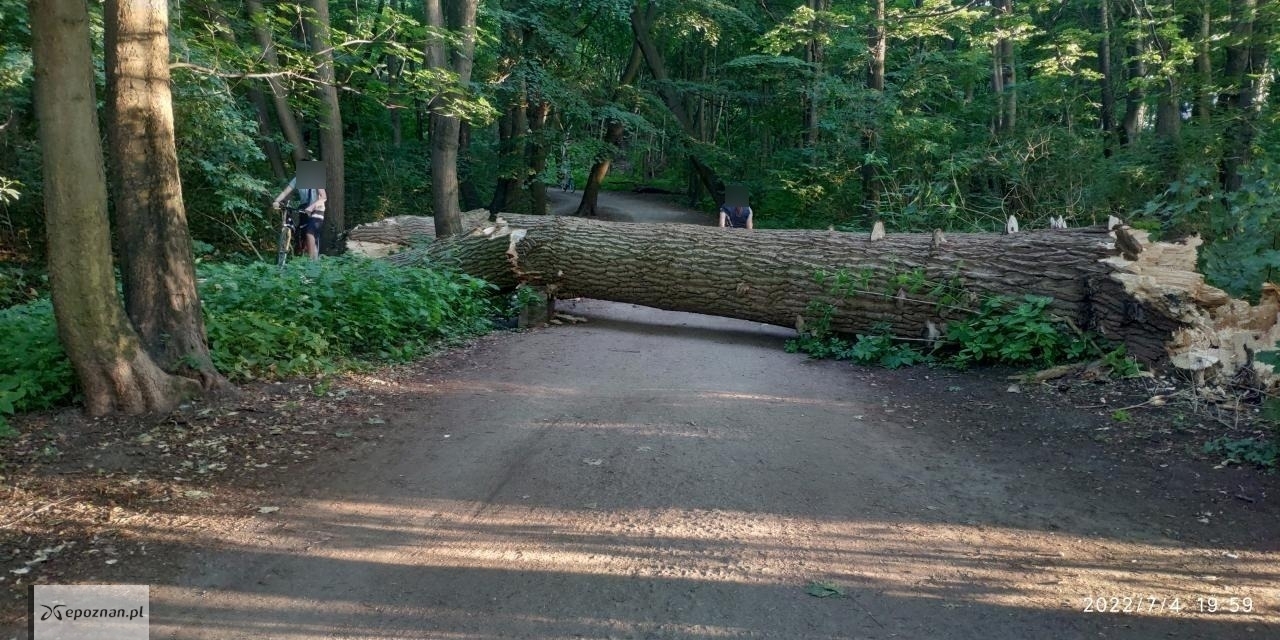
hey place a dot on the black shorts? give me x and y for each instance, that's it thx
(312, 225)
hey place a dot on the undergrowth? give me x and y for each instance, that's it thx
(1001, 330)
(267, 322)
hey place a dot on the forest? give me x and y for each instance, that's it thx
(918, 115)
(994, 350)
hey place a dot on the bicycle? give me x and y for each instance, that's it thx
(290, 234)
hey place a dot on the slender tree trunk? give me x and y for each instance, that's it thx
(151, 223)
(1204, 65)
(1107, 111)
(814, 54)
(331, 146)
(445, 128)
(262, 115)
(1006, 70)
(261, 111)
(508, 195)
(279, 95)
(613, 135)
(877, 43)
(1135, 107)
(113, 368)
(395, 65)
(1237, 101)
(641, 21)
(1169, 112)
(467, 190)
(537, 150)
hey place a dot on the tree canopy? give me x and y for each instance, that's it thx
(922, 113)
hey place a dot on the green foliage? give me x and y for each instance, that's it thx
(264, 322)
(1121, 415)
(1015, 333)
(313, 315)
(19, 284)
(1243, 226)
(1001, 331)
(34, 370)
(1121, 364)
(1264, 453)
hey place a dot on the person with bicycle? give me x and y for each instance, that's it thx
(312, 206)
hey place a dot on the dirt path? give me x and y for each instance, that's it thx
(662, 475)
(620, 206)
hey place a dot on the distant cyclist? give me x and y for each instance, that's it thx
(736, 212)
(312, 203)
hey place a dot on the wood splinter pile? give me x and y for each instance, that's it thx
(1112, 280)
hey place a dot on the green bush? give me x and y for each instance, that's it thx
(19, 284)
(265, 322)
(1021, 333)
(34, 370)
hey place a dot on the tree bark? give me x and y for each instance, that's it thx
(536, 149)
(1204, 64)
(815, 54)
(279, 94)
(1246, 58)
(113, 368)
(877, 41)
(151, 223)
(507, 194)
(1155, 303)
(1107, 110)
(445, 124)
(1004, 73)
(1135, 108)
(331, 145)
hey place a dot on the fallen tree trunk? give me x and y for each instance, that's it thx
(384, 237)
(1153, 301)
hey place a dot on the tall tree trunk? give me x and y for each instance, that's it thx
(156, 260)
(467, 190)
(537, 149)
(508, 196)
(331, 148)
(1107, 110)
(642, 18)
(113, 368)
(279, 94)
(1204, 65)
(613, 135)
(1135, 105)
(261, 112)
(262, 115)
(445, 127)
(1169, 112)
(814, 54)
(1007, 70)
(1246, 58)
(877, 43)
